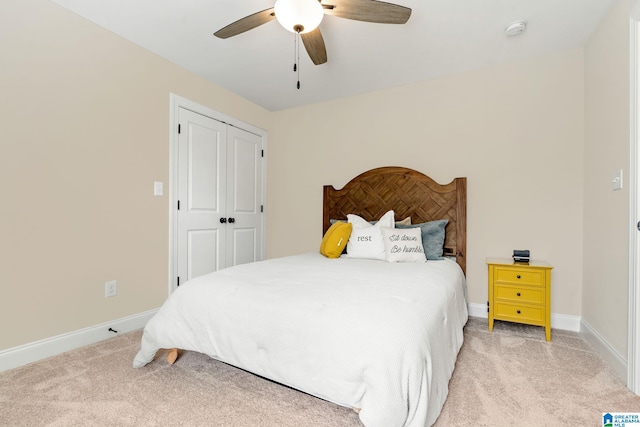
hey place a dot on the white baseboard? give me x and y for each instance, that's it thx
(38, 350)
(565, 322)
(611, 357)
(477, 310)
(558, 321)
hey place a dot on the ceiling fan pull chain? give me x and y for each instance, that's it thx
(295, 50)
(298, 57)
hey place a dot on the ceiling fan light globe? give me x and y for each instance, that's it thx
(293, 15)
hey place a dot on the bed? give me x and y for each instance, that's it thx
(379, 337)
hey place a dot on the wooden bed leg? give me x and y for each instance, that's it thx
(172, 355)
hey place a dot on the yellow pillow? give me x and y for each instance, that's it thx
(335, 239)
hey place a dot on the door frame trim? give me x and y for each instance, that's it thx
(633, 344)
(175, 103)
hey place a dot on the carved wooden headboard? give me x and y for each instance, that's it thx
(408, 193)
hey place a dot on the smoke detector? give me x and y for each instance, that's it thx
(516, 28)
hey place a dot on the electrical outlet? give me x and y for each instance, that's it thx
(110, 289)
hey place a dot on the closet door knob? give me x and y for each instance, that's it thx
(232, 220)
(223, 220)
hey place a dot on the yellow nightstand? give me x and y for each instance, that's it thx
(520, 292)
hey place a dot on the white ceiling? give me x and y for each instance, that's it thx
(442, 37)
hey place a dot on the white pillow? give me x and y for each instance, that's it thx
(366, 239)
(403, 244)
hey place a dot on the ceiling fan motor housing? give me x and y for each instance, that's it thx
(299, 16)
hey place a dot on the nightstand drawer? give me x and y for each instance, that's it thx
(520, 294)
(520, 276)
(519, 313)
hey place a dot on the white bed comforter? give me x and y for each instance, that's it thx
(378, 336)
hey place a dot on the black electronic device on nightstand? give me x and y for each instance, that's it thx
(521, 255)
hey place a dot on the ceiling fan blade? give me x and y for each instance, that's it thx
(245, 24)
(314, 43)
(367, 11)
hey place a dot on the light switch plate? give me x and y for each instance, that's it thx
(158, 188)
(616, 180)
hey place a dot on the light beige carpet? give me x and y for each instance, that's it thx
(510, 377)
(513, 377)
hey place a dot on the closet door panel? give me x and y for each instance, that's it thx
(244, 182)
(244, 244)
(202, 247)
(204, 147)
(244, 201)
(202, 187)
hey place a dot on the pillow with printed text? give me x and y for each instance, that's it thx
(433, 236)
(403, 245)
(366, 239)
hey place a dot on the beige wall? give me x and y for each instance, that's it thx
(515, 131)
(605, 290)
(85, 132)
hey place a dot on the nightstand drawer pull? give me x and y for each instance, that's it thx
(518, 276)
(518, 311)
(518, 294)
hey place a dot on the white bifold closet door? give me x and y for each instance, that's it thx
(219, 220)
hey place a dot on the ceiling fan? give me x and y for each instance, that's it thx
(304, 17)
